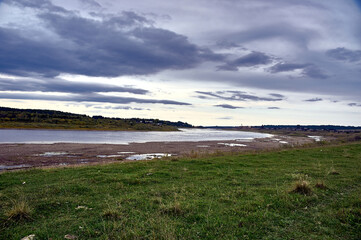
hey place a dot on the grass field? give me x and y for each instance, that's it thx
(310, 193)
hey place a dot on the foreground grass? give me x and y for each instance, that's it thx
(251, 196)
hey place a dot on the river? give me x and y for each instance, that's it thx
(122, 137)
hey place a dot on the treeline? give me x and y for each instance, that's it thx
(331, 128)
(49, 119)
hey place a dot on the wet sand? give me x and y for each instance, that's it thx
(16, 156)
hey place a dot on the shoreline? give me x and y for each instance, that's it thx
(14, 156)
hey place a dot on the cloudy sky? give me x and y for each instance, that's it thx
(206, 62)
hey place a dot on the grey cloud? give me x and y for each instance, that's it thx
(91, 3)
(37, 4)
(225, 44)
(125, 44)
(125, 19)
(227, 106)
(314, 72)
(239, 96)
(203, 97)
(277, 95)
(273, 108)
(354, 104)
(287, 67)
(93, 97)
(249, 60)
(296, 35)
(59, 85)
(313, 100)
(344, 54)
(120, 108)
(225, 118)
(308, 69)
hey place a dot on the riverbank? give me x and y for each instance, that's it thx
(48, 119)
(16, 156)
(311, 193)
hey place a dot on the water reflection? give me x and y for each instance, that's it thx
(122, 137)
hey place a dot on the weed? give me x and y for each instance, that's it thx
(20, 210)
(174, 208)
(302, 187)
(320, 185)
(333, 171)
(112, 212)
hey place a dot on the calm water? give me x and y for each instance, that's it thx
(121, 137)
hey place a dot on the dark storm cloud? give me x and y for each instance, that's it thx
(125, 44)
(273, 108)
(240, 96)
(59, 85)
(314, 100)
(92, 97)
(344, 54)
(227, 106)
(249, 60)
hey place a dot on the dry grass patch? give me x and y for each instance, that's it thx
(321, 185)
(112, 212)
(302, 187)
(333, 171)
(174, 208)
(20, 210)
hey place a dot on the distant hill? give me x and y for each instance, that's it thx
(50, 119)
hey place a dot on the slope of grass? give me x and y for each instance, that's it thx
(49, 119)
(229, 197)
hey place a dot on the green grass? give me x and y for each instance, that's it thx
(226, 197)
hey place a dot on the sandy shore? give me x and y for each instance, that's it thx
(15, 156)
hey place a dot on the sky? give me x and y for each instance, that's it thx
(205, 62)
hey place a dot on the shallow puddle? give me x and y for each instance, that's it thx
(51, 154)
(4, 167)
(316, 138)
(233, 144)
(108, 156)
(148, 156)
(245, 140)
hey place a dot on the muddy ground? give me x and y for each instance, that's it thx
(16, 156)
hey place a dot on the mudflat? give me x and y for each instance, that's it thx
(16, 156)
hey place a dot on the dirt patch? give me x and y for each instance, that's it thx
(62, 154)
